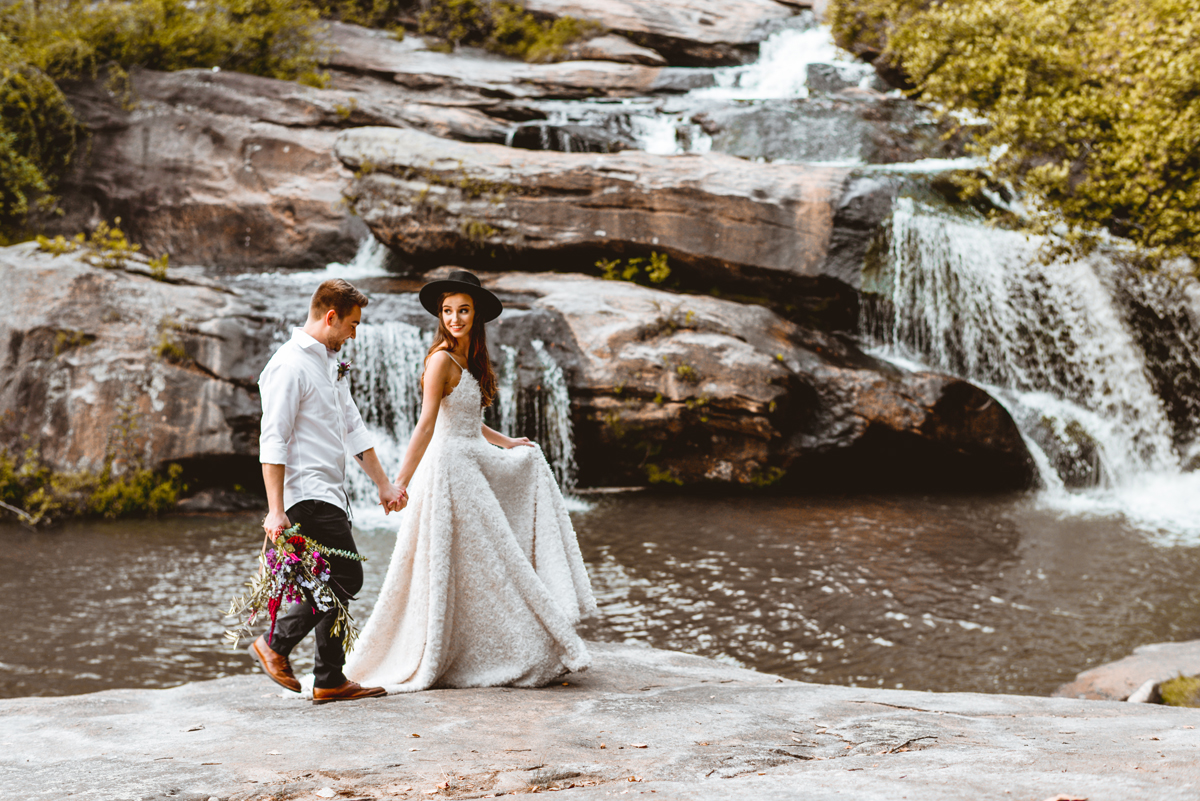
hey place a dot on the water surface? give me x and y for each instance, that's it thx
(931, 593)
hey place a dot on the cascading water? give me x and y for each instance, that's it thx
(387, 360)
(554, 418)
(1051, 341)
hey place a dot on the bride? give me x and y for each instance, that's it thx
(486, 583)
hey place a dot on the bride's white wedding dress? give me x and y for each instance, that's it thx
(486, 583)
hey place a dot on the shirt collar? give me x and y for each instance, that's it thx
(305, 339)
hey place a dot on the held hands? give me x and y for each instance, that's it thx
(392, 498)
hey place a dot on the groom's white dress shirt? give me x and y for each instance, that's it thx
(309, 422)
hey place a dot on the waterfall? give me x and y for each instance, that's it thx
(387, 360)
(385, 381)
(781, 70)
(554, 419)
(1050, 340)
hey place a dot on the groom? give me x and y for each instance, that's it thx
(309, 424)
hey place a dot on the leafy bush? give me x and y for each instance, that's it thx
(37, 136)
(73, 38)
(369, 13)
(107, 247)
(52, 40)
(41, 495)
(503, 27)
(657, 269)
(1093, 107)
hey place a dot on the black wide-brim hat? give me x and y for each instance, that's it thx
(487, 305)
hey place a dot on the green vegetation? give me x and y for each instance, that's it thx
(1181, 691)
(503, 27)
(169, 348)
(657, 269)
(44, 41)
(368, 13)
(122, 487)
(107, 247)
(658, 475)
(1093, 108)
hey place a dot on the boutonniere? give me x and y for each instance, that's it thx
(343, 369)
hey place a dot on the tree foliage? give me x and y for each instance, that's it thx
(1093, 106)
(53, 40)
(503, 27)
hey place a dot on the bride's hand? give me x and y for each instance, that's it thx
(512, 443)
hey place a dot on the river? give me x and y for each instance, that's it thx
(983, 594)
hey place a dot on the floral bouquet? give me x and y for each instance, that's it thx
(296, 571)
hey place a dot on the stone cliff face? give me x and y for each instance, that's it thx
(688, 389)
(89, 348)
(239, 173)
(755, 229)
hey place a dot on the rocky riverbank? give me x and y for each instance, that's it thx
(639, 722)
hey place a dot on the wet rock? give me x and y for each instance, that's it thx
(829, 78)
(614, 48)
(687, 32)
(250, 182)
(569, 138)
(1116, 681)
(756, 229)
(473, 72)
(231, 170)
(863, 126)
(86, 346)
(687, 389)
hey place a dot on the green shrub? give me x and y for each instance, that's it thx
(43, 41)
(43, 495)
(1093, 107)
(503, 27)
(73, 38)
(369, 13)
(657, 269)
(1181, 691)
(37, 136)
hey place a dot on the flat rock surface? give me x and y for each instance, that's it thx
(411, 64)
(1117, 680)
(640, 722)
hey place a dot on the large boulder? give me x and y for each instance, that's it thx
(232, 170)
(688, 32)
(91, 351)
(690, 389)
(475, 73)
(757, 229)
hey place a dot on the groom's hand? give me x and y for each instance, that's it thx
(392, 498)
(275, 523)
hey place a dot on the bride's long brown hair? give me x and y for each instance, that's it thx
(478, 362)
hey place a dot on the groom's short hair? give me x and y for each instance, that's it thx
(337, 294)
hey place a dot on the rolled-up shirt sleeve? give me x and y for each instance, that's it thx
(358, 438)
(280, 391)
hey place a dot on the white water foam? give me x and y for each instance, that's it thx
(369, 261)
(1049, 341)
(781, 71)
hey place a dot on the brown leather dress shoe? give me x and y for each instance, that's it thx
(275, 665)
(349, 691)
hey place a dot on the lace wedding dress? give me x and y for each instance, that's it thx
(486, 583)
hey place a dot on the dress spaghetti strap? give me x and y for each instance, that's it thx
(460, 367)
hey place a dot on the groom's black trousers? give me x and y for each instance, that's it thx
(328, 525)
